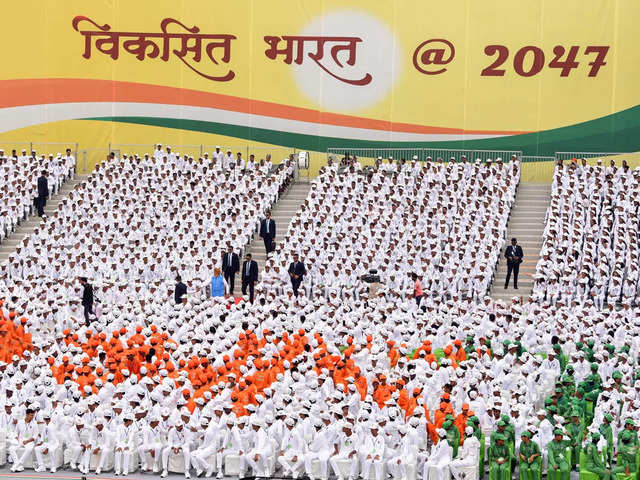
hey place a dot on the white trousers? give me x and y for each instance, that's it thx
(368, 464)
(353, 468)
(104, 453)
(52, 447)
(200, 458)
(28, 451)
(290, 467)
(260, 467)
(147, 449)
(75, 451)
(399, 471)
(322, 457)
(169, 451)
(123, 460)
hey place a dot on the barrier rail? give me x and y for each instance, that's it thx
(534, 168)
(141, 148)
(579, 155)
(94, 156)
(533, 158)
(422, 153)
(537, 169)
(40, 147)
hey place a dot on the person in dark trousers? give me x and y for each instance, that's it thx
(179, 291)
(268, 232)
(43, 193)
(296, 272)
(87, 299)
(249, 276)
(230, 266)
(514, 256)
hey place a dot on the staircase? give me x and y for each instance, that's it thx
(27, 226)
(282, 213)
(526, 223)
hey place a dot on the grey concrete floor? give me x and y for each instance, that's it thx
(5, 473)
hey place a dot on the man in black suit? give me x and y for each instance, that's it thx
(230, 266)
(87, 299)
(249, 276)
(179, 291)
(268, 232)
(43, 193)
(296, 272)
(514, 259)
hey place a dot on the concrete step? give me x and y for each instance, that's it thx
(539, 204)
(526, 239)
(522, 282)
(282, 212)
(529, 209)
(522, 276)
(526, 265)
(528, 247)
(526, 223)
(527, 271)
(27, 227)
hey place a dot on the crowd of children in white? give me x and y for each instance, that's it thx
(341, 380)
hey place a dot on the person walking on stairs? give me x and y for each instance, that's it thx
(43, 193)
(514, 256)
(268, 233)
(249, 276)
(230, 266)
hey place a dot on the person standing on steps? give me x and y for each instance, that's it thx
(43, 193)
(268, 233)
(179, 291)
(514, 256)
(249, 276)
(297, 271)
(230, 266)
(87, 299)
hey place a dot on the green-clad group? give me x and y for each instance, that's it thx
(587, 427)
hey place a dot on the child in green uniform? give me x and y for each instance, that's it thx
(499, 460)
(558, 467)
(575, 428)
(626, 458)
(453, 436)
(595, 461)
(530, 458)
(607, 433)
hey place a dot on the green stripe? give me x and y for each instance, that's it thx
(619, 132)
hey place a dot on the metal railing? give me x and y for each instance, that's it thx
(422, 153)
(579, 155)
(40, 147)
(537, 169)
(140, 149)
(534, 159)
(7, 147)
(89, 157)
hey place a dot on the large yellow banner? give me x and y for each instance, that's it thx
(539, 76)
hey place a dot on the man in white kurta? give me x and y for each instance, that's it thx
(372, 455)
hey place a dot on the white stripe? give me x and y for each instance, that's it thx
(25, 116)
